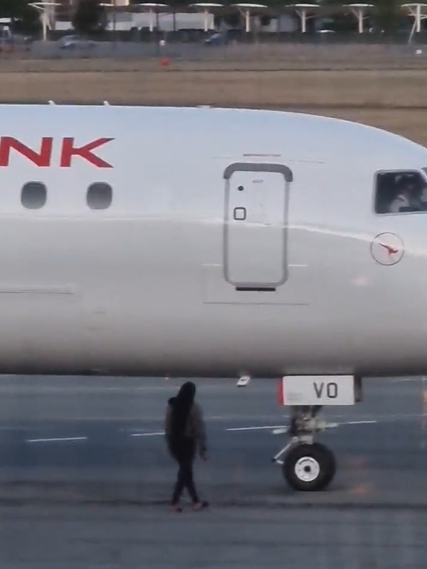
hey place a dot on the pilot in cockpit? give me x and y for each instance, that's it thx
(423, 197)
(409, 196)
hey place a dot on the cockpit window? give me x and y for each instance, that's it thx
(400, 192)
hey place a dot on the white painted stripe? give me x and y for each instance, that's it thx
(359, 423)
(247, 418)
(335, 425)
(281, 427)
(256, 428)
(416, 379)
(56, 440)
(146, 434)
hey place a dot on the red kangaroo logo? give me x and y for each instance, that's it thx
(391, 250)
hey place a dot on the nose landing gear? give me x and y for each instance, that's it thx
(309, 467)
(306, 465)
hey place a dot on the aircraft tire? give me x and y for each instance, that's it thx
(309, 468)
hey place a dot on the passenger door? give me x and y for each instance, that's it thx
(255, 225)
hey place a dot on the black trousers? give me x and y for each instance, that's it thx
(184, 453)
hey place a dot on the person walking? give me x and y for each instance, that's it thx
(186, 436)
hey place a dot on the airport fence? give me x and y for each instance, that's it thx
(259, 51)
(381, 83)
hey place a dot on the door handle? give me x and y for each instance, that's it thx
(239, 213)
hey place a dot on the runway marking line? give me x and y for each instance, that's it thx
(56, 440)
(270, 427)
(256, 428)
(253, 428)
(146, 434)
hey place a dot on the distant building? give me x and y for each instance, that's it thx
(126, 18)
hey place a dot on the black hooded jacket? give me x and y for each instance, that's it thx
(193, 426)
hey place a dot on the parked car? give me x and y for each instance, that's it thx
(75, 41)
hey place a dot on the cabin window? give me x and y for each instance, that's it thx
(401, 191)
(33, 195)
(99, 196)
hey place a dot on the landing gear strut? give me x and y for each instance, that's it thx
(306, 465)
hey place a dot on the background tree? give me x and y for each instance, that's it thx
(387, 15)
(90, 17)
(13, 8)
(25, 19)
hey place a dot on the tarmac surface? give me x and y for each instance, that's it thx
(85, 479)
(94, 537)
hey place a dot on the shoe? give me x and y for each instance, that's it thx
(200, 506)
(176, 508)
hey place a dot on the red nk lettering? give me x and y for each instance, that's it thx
(43, 158)
(85, 152)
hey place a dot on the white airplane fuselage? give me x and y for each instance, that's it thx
(237, 242)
